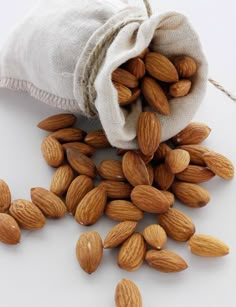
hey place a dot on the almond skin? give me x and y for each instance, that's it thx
(77, 190)
(124, 77)
(196, 153)
(81, 147)
(186, 66)
(136, 67)
(177, 225)
(61, 180)
(111, 170)
(124, 94)
(97, 139)
(165, 261)
(155, 236)
(148, 133)
(163, 177)
(146, 158)
(9, 229)
(127, 294)
(123, 210)
(49, 203)
(170, 196)
(89, 251)
(180, 88)
(191, 194)
(136, 92)
(52, 151)
(144, 53)
(27, 214)
(149, 199)
(207, 246)
(151, 173)
(219, 164)
(155, 96)
(132, 252)
(57, 122)
(91, 207)
(195, 174)
(177, 160)
(134, 169)
(161, 153)
(161, 68)
(117, 190)
(194, 133)
(119, 234)
(5, 196)
(81, 163)
(69, 135)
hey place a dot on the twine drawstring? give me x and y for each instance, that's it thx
(222, 89)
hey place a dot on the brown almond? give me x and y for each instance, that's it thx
(161, 152)
(163, 177)
(91, 207)
(165, 261)
(52, 151)
(121, 151)
(61, 180)
(127, 294)
(155, 236)
(191, 194)
(186, 66)
(207, 246)
(155, 96)
(124, 77)
(27, 214)
(97, 139)
(136, 92)
(180, 88)
(124, 94)
(111, 170)
(69, 135)
(219, 164)
(49, 203)
(194, 133)
(170, 196)
(136, 67)
(57, 122)
(116, 189)
(89, 251)
(177, 225)
(5, 196)
(78, 188)
(149, 199)
(196, 153)
(150, 170)
(119, 233)
(81, 163)
(177, 160)
(123, 210)
(160, 67)
(132, 252)
(9, 229)
(195, 174)
(146, 159)
(85, 149)
(144, 53)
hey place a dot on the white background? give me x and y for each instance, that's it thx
(42, 270)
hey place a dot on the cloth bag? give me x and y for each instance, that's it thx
(64, 52)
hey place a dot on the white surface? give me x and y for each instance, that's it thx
(43, 271)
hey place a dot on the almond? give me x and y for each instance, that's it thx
(119, 234)
(162, 152)
(127, 294)
(170, 196)
(155, 236)
(97, 139)
(149, 199)
(81, 163)
(148, 133)
(9, 229)
(219, 164)
(91, 207)
(180, 88)
(134, 169)
(207, 246)
(186, 66)
(124, 77)
(57, 122)
(177, 160)
(195, 174)
(85, 149)
(194, 133)
(111, 170)
(136, 67)
(177, 225)
(49, 203)
(160, 67)
(150, 170)
(61, 180)
(144, 53)
(89, 251)
(146, 159)
(155, 96)
(136, 92)
(5, 196)
(123, 210)
(165, 261)
(163, 177)
(117, 189)
(121, 151)
(196, 153)
(132, 253)
(27, 214)
(69, 135)
(52, 151)
(191, 194)
(78, 188)
(124, 94)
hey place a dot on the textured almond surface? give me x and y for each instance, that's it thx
(177, 225)
(180, 88)
(27, 214)
(69, 135)
(116, 190)
(97, 139)
(5, 196)
(81, 147)
(136, 67)
(144, 53)
(177, 160)
(9, 229)
(163, 177)
(123, 99)
(123, 210)
(132, 253)
(146, 158)
(207, 246)
(57, 122)
(89, 251)
(155, 236)
(170, 196)
(125, 78)
(195, 174)
(196, 153)
(150, 169)
(111, 170)
(127, 294)
(52, 151)
(61, 180)
(162, 152)
(186, 66)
